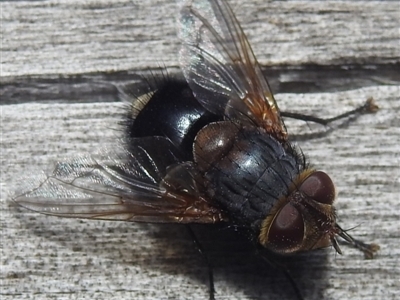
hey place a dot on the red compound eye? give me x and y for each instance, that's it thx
(287, 229)
(319, 187)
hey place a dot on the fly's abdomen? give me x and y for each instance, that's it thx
(172, 112)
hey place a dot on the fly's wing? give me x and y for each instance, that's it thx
(120, 185)
(220, 67)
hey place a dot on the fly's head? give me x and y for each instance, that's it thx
(306, 220)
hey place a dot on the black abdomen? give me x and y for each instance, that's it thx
(172, 112)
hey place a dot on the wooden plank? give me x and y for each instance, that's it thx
(52, 258)
(65, 259)
(64, 37)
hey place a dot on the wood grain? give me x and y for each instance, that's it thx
(51, 258)
(69, 37)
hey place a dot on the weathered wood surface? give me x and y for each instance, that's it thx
(61, 37)
(51, 258)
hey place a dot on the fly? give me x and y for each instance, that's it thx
(209, 149)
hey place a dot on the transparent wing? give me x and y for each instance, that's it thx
(118, 185)
(220, 66)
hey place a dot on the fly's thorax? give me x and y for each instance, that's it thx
(304, 219)
(246, 170)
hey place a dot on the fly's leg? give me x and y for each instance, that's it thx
(204, 255)
(280, 267)
(368, 107)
